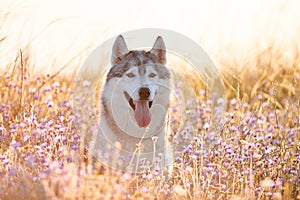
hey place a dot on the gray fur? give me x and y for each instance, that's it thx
(140, 59)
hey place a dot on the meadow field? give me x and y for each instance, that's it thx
(257, 155)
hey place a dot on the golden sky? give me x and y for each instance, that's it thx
(59, 30)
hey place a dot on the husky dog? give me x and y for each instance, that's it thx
(135, 100)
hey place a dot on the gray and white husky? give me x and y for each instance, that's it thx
(134, 105)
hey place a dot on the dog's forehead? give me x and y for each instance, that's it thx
(138, 58)
(143, 60)
(143, 69)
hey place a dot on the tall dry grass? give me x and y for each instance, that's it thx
(256, 157)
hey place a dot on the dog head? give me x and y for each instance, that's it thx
(138, 77)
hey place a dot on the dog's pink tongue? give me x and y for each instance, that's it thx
(142, 114)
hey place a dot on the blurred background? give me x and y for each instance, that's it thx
(59, 33)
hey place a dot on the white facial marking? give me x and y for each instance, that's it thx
(133, 81)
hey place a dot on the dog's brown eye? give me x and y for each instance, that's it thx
(152, 75)
(130, 75)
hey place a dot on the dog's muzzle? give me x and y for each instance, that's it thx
(132, 103)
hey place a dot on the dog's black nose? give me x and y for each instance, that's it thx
(144, 93)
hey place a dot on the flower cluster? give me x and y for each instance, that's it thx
(256, 153)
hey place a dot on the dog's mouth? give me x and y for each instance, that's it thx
(132, 103)
(141, 110)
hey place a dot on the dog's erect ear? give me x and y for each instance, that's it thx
(119, 49)
(159, 49)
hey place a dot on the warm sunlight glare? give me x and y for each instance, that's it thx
(60, 31)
